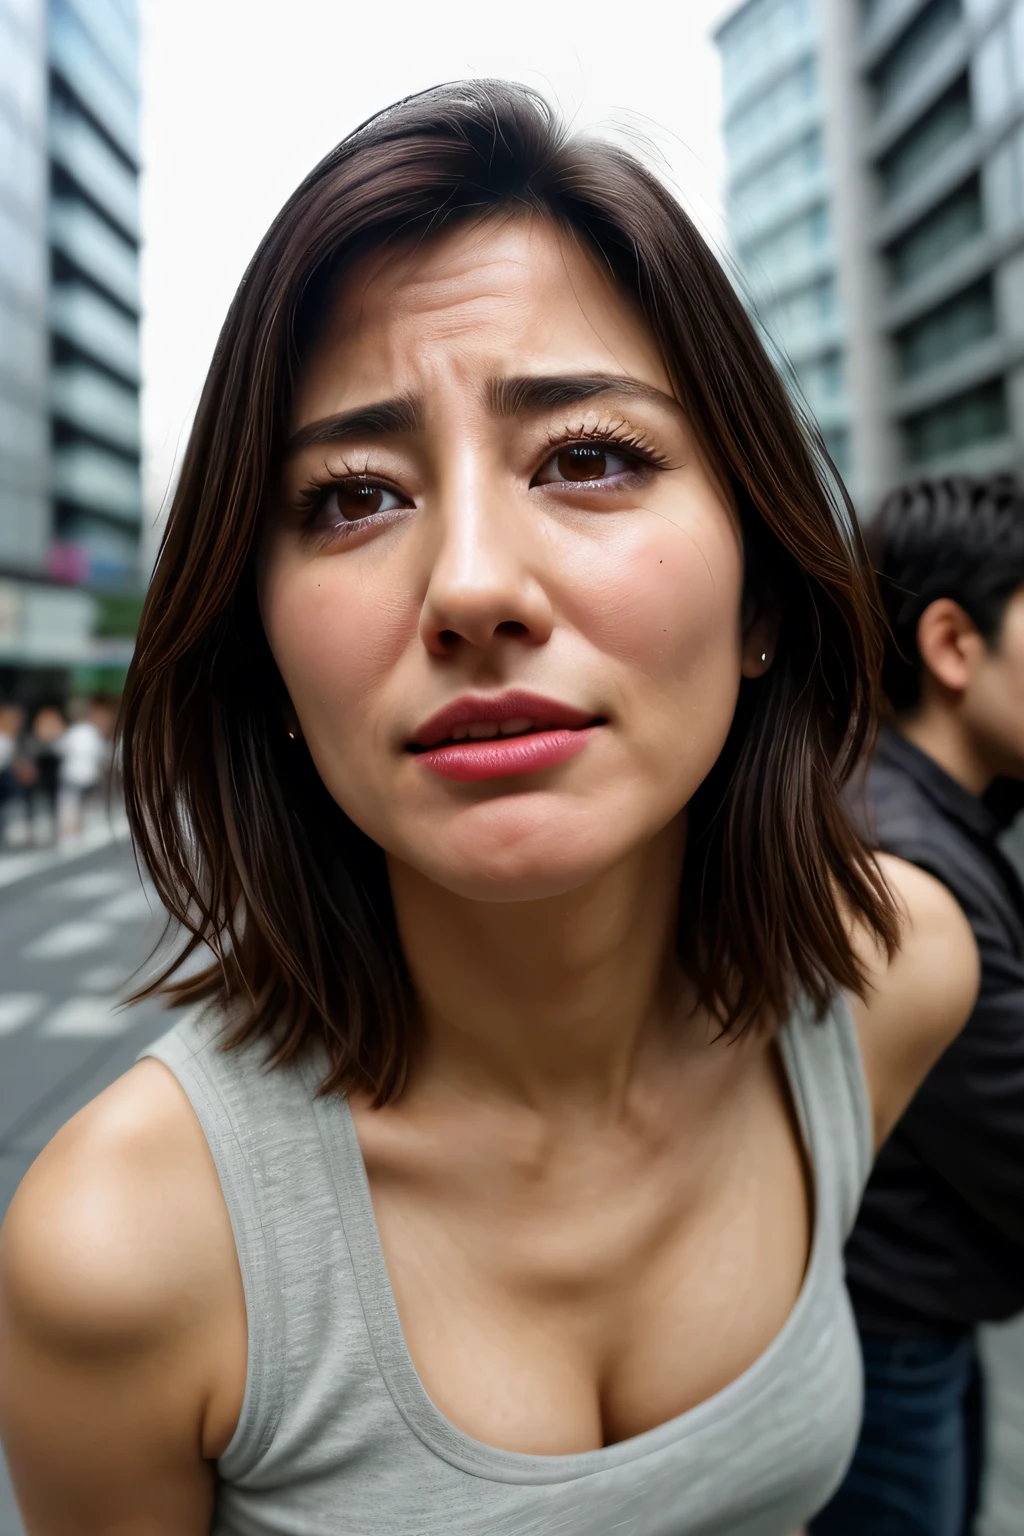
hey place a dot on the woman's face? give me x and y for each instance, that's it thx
(501, 585)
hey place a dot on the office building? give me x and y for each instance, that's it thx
(70, 497)
(875, 201)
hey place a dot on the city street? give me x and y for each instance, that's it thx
(71, 933)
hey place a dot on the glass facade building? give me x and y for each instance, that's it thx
(779, 200)
(24, 260)
(906, 183)
(70, 485)
(93, 136)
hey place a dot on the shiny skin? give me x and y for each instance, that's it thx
(595, 1212)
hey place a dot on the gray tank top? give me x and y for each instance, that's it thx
(337, 1436)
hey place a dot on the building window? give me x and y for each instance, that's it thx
(757, 195)
(768, 115)
(974, 417)
(759, 36)
(952, 224)
(815, 305)
(794, 243)
(914, 154)
(822, 380)
(919, 42)
(947, 331)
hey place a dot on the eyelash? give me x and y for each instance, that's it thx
(310, 500)
(616, 435)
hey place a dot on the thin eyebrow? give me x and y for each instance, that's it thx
(532, 392)
(382, 418)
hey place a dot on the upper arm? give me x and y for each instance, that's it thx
(918, 1001)
(115, 1292)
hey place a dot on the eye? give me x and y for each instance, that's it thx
(355, 500)
(580, 463)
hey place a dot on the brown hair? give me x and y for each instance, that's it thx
(244, 844)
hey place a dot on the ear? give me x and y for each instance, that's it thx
(949, 644)
(759, 640)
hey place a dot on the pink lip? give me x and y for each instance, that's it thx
(564, 731)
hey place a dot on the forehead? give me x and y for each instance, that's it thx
(509, 296)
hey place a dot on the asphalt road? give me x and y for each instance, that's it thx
(71, 934)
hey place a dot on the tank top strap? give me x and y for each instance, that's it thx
(826, 1074)
(296, 1271)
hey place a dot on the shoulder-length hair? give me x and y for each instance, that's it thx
(244, 845)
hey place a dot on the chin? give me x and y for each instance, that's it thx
(488, 863)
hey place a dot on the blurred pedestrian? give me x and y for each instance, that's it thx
(939, 1243)
(84, 759)
(12, 722)
(42, 754)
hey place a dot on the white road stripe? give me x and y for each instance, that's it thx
(17, 1008)
(104, 978)
(89, 887)
(80, 1016)
(72, 938)
(129, 907)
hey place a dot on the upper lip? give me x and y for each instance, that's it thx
(497, 707)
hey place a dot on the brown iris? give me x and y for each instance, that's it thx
(583, 461)
(356, 500)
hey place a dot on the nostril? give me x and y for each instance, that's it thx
(449, 639)
(511, 627)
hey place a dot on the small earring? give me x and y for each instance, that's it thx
(764, 655)
(292, 735)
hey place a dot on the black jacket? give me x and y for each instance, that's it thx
(940, 1235)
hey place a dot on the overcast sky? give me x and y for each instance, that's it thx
(241, 99)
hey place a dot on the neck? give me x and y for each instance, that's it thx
(940, 734)
(549, 1000)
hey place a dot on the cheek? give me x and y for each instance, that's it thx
(666, 600)
(334, 636)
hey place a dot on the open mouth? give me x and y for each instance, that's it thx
(472, 731)
(478, 737)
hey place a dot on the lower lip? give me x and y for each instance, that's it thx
(505, 758)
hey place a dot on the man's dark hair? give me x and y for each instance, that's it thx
(959, 537)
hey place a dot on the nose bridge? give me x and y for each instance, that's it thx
(481, 575)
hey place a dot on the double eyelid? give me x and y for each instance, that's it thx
(631, 446)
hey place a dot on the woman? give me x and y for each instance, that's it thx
(507, 651)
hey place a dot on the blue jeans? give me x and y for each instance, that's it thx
(917, 1467)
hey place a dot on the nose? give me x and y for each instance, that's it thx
(484, 586)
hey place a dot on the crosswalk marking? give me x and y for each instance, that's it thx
(72, 938)
(129, 907)
(90, 887)
(80, 1016)
(18, 1008)
(104, 978)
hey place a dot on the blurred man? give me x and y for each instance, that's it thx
(939, 1243)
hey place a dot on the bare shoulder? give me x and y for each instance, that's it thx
(122, 1319)
(112, 1224)
(919, 1000)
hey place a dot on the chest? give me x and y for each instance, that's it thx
(575, 1296)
